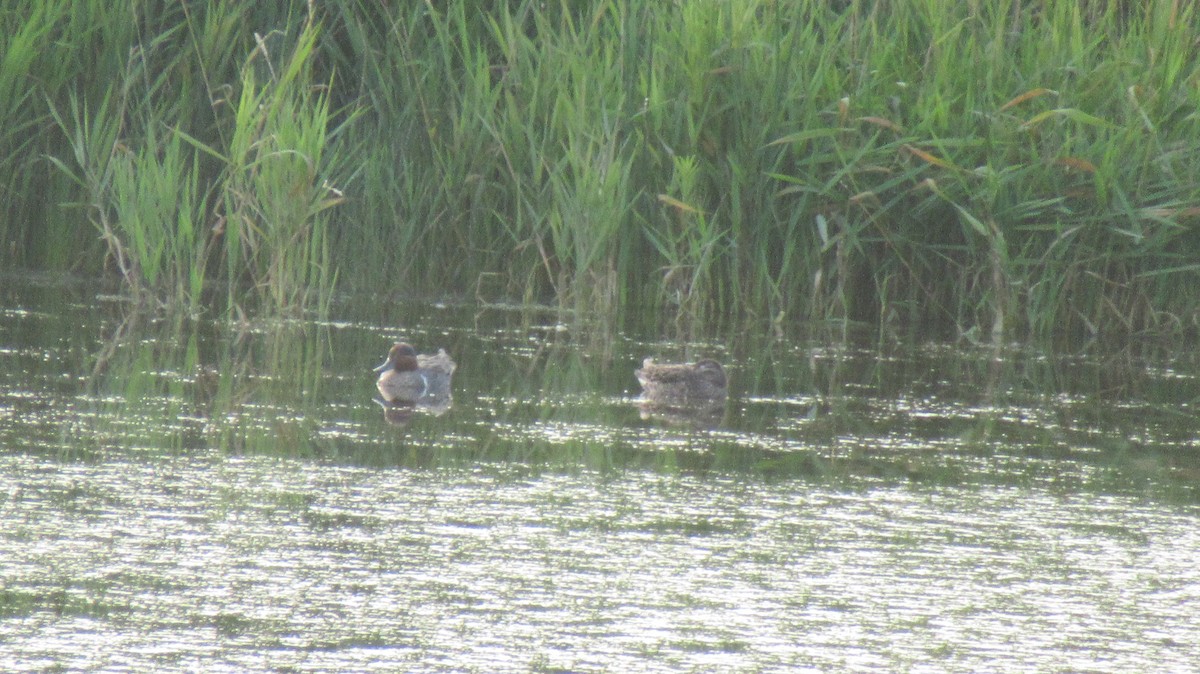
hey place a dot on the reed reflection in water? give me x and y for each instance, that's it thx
(203, 496)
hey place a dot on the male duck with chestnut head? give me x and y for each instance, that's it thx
(408, 377)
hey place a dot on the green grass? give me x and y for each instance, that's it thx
(1012, 168)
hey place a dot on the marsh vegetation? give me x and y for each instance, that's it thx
(1021, 167)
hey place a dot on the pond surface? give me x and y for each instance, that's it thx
(194, 495)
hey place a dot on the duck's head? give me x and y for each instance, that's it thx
(711, 371)
(402, 357)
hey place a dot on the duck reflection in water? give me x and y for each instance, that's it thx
(686, 394)
(397, 414)
(410, 380)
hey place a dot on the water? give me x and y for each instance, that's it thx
(194, 496)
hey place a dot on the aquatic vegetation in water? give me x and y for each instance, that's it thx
(169, 218)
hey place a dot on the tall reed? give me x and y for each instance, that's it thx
(1015, 167)
(160, 202)
(275, 184)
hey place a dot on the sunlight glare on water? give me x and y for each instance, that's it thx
(642, 572)
(921, 510)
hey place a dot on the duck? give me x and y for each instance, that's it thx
(406, 377)
(700, 383)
